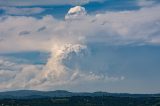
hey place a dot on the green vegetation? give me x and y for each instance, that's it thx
(84, 101)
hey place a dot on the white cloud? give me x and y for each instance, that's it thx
(145, 3)
(15, 76)
(76, 12)
(67, 38)
(22, 11)
(130, 27)
(46, 2)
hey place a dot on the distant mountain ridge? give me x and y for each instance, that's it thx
(31, 94)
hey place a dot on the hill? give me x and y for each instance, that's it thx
(31, 94)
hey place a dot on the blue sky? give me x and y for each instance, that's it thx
(104, 45)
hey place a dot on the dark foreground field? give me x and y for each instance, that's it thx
(84, 101)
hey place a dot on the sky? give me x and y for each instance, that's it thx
(80, 45)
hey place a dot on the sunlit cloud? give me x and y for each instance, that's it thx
(64, 39)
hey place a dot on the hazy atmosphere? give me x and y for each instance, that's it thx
(80, 45)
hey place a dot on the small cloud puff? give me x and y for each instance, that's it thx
(76, 13)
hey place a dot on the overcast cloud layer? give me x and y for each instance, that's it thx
(46, 2)
(127, 27)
